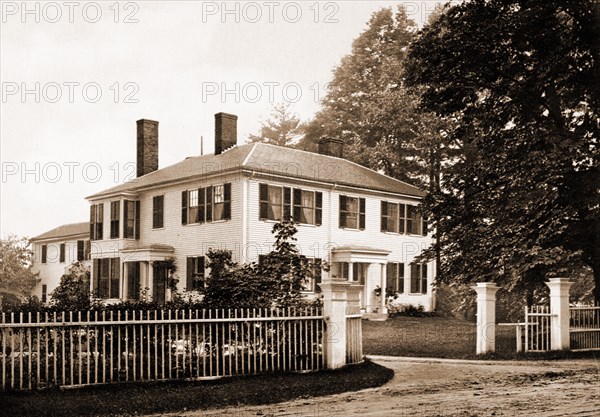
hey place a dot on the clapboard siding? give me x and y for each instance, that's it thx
(51, 271)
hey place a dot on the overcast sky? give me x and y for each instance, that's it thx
(77, 75)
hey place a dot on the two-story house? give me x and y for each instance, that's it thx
(54, 251)
(364, 224)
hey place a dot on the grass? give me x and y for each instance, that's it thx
(139, 399)
(444, 338)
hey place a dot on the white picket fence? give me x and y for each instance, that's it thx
(87, 348)
(584, 328)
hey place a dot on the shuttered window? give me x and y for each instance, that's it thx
(107, 277)
(62, 254)
(195, 273)
(96, 221)
(352, 212)
(115, 215)
(418, 278)
(206, 204)
(131, 220)
(44, 254)
(394, 278)
(80, 250)
(158, 211)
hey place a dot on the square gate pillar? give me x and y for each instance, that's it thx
(559, 308)
(486, 316)
(335, 301)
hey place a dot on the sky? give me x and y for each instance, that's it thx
(75, 76)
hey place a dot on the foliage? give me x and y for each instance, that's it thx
(283, 128)
(73, 291)
(520, 79)
(409, 310)
(276, 282)
(369, 107)
(16, 275)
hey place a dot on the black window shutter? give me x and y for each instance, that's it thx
(424, 227)
(189, 274)
(227, 204)
(92, 221)
(297, 204)
(100, 222)
(384, 225)
(414, 278)
(263, 204)
(80, 250)
(137, 219)
(318, 208)
(287, 203)
(342, 211)
(362, 217)
(96, 276)
(184, 211)
(209, 201)
(201, 211)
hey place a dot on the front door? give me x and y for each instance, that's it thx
(159, 285)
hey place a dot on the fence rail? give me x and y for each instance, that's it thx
(584, 328)
(76, 349)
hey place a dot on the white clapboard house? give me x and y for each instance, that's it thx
(364, 224)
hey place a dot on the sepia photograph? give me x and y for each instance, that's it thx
(300, 208)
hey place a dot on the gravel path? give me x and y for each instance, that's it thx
(432, 387)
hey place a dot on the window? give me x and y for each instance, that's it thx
(308, 207)
(115, 216)
(418, 278)
(131, 220)
(314, 279)
(158, 211)
(44, 254)
(133, 281)
(87, 250)
(195, 273)
(359, 271)
(402, 218)
(80, 250)
(274, 202)
(62, 253)
(352, 212)
(107, 277)
(44, 293)
(394, 278)
(389, 217)
(206, 204)
(96, 221)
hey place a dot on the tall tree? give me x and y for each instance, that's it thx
(369, 107)
(283, 128)
(16, 276)
(521, 80)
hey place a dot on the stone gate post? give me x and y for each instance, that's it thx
(335, 301)
(559, 308)
(486, 316)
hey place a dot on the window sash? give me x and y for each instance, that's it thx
(418, 278)
(115, 208)
(195, 273)
(129, 221)
(107, 276)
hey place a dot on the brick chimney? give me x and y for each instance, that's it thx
(331, 147)
(225, 132)
(147, 146)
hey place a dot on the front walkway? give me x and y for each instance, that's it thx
(446, 387)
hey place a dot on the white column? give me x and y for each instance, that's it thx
(382, 297)
(559, 308)
(486, 316)
(334, 308)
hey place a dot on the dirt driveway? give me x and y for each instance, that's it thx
(423, 387)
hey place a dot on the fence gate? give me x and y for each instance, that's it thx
(536, 337)
(584, 329)
(354, 351)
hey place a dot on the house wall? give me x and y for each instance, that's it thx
(187, 240)
(51, 271)
(318, 241)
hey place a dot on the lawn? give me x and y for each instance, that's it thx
(430, 337)
(139, 399)
(440, 337)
